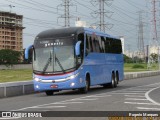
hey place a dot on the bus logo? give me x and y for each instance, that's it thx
(56, 43)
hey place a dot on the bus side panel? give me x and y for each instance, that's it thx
(115, 61)
(94, 63)
(100, 67)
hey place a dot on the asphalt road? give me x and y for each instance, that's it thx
(131, 95)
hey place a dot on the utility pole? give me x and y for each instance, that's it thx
(141, 36)
(66, 16)
(154, 43)
(102, 13)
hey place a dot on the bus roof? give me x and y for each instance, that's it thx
(68, 31)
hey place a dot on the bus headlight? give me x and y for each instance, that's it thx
(72, 76)
(37, 79)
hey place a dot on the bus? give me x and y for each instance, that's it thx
(75, 58)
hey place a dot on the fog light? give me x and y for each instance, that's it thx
(37, 86)
(72, 84)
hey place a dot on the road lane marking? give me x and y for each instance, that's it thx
(139, 103)
(133, 91)
(128, 93)
(84, 99)
(81, 98)
(49, 107)
(134, 99)
(133, 96)
(140, 89)
(99, 96)
(112, 92)
(67, 102)
(143, 108)
(151, 100)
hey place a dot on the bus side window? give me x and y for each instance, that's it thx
(88, 46)
(81, 38)
(102, 44)
(107, 45)
(93, 44)
(118, 46)
(112, 50)
(91, 48)
(97, 45)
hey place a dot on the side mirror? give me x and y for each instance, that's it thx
(77, 48)
(27, 51)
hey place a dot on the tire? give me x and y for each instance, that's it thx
(116, 81)
(49, 93)
(86, 88)
(113, 82)
(117, 77)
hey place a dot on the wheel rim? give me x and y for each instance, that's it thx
(113, 82)
(116, 82)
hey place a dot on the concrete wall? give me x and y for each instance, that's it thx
(18, 66)
(133, 75)
(16, 88)
(21, 88)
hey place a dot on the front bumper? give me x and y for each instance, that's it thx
(66, 85)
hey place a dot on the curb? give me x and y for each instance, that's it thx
(134, 75)
(11, 89)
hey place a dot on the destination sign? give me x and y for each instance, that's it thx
(43, 43)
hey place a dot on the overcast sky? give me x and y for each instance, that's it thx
(40, 15)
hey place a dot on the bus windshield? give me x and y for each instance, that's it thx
(54, 57)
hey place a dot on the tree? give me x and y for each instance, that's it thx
(154, 57)
(9, 57)
(127, 59)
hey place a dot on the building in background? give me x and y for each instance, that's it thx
(11, 30)
(153, 49)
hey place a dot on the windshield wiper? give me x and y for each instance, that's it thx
(47, 64)
(60, 64)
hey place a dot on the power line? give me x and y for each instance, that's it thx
(83, 5)
(102, 13)
(132, 4)
(36, 9)
(66, 4)
(38, 25)
(123, 12)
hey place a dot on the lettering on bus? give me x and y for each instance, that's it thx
(53, 44)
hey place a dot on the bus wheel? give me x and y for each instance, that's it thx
(86, 88)
(49, 93)
(116, 81)
(113, 82)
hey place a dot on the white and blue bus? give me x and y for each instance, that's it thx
(75, 58)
